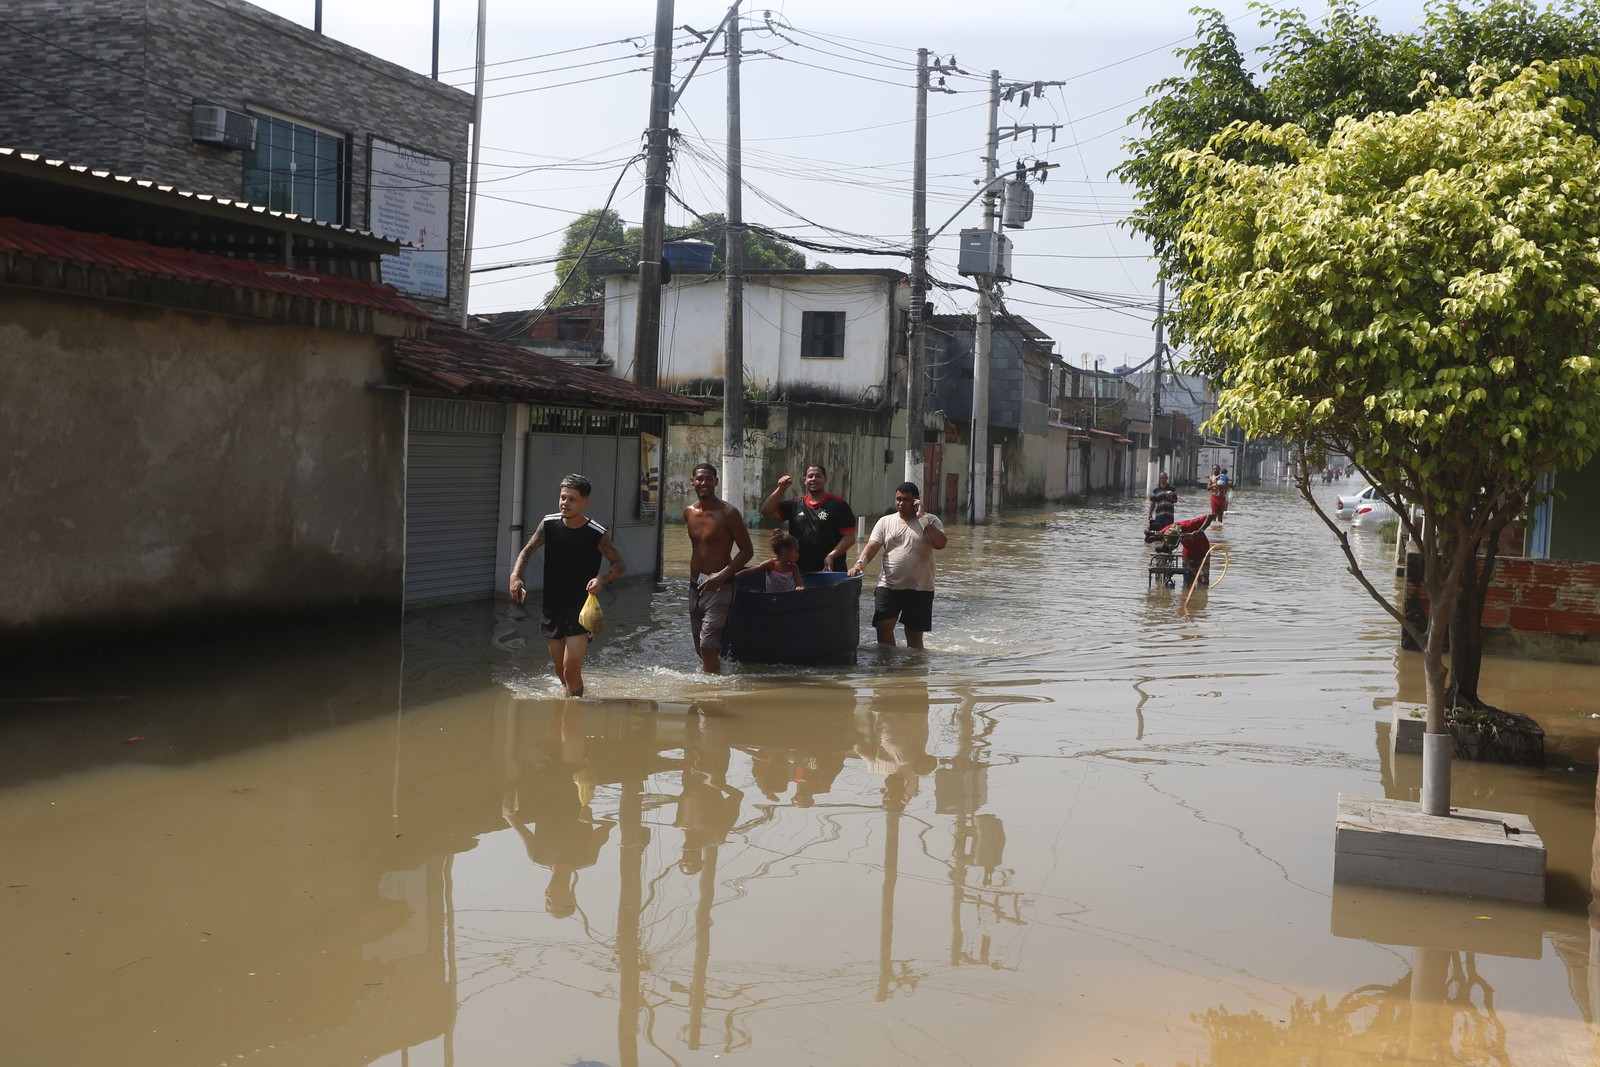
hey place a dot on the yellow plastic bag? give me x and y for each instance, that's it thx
(591, 618)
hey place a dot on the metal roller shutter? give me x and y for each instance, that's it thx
(452, 500)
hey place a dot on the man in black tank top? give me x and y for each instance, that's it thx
(574, 546)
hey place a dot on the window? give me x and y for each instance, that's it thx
(297, 168)
(822, 334)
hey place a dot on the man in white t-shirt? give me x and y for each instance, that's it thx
(908, 539)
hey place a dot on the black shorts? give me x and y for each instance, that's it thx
(913, 607)
(562, 626)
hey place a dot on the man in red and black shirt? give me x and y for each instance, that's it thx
(1195, 546)
(822, 523)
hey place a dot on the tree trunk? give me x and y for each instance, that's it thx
(1437, 742)
(1466, 630)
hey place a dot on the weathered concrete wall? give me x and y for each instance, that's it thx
(1025, 457)
(1536, 609)
(167, 467)
(782, 439)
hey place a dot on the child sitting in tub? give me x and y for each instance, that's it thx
(783, 569)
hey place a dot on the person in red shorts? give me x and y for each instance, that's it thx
(1196, 545)
(1218, 486)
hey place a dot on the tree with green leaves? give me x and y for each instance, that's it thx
(1314, 74)
(761, 252)
(1422, 293)
(595, 242)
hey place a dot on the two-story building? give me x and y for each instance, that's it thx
(1020, 358)
(824, 366)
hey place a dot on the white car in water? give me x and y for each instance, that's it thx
(1348, 502)
(1371, 514)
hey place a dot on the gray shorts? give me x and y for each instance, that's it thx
(708, 616)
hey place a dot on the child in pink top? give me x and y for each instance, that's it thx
(783, 569)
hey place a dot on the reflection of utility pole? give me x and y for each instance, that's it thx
(975, 840)
(630, 898)
(702, 945)
(891, 875)
(964, 772)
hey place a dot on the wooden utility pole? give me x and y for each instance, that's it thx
(916, 355)
(1155, 383)
(647, 324)
(980, 356)
(733, 326)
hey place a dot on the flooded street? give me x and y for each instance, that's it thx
(1091, 824)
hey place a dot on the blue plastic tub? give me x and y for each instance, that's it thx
(820, 624)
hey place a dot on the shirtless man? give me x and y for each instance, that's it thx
(719, 548)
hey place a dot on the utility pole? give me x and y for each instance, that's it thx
(980, 355)
(477, 143)
(647, 325)
(916, 355)
(733, 318)
(1155, 383)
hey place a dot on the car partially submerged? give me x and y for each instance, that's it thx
(1348, 502)
(1371, 514)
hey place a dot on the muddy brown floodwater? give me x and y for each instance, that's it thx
(1091, 825)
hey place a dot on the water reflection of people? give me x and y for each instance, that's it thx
(814, 775)
(895, 745)
(708, 807)
(553, 794)
(773, 770)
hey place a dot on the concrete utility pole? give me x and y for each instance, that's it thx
(980, 354)
(981, 489)
(1155, 383)
(647, 325)
(477, 143)
(917, 353)
(733, 319)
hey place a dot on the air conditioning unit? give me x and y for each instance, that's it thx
(214, 124)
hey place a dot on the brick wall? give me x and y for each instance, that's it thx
(1536, 609)
(111, 84)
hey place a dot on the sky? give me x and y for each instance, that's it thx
(827, 113)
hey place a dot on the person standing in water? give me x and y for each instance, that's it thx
(719, 546)
(574, 546)
(1163, 503)
(822, 523)
(908, 538)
